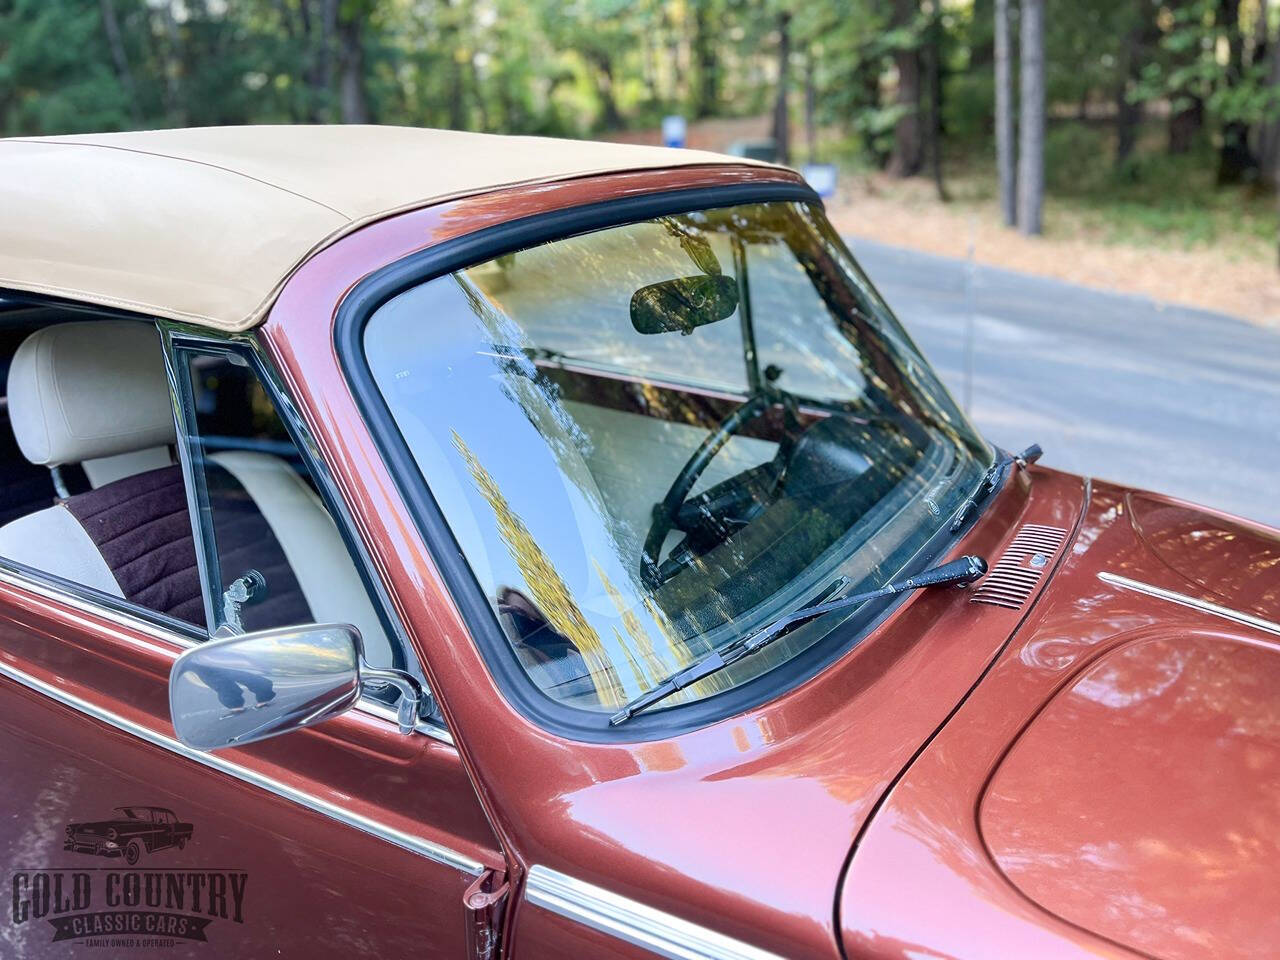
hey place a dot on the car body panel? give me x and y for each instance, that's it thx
(322, 822)
(1118, 762)
(1238, 563)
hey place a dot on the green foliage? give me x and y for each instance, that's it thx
(1192, 68)
(581, 67)
(55, 76)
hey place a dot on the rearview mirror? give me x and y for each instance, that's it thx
(683, 304)
(236, 690)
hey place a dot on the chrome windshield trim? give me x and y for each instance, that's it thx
(82, 603)
(407, 841)
(651, 929)
(1182, 599)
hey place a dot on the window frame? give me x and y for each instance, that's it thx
(177, 632)
(180, 338)
(362, 302)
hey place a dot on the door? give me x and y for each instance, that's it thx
(347, 839)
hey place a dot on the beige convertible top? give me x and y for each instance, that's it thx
(205, 225)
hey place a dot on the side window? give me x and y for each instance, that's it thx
(90, 490)
(273, 555)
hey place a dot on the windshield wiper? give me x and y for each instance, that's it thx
(990, 480)
(964, 570)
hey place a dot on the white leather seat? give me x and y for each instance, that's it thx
(96, 393)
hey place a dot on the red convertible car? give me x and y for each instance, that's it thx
(517, 548)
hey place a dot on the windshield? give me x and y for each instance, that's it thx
(651, 439)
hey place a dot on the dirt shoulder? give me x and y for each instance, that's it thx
(1238, 278)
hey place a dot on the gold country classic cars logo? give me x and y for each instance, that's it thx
(131, 902)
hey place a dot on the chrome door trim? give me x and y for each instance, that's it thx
(70, 596)
(651, 929)
(414, 844)
(1182, 599)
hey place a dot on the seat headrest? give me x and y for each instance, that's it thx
(94, 389)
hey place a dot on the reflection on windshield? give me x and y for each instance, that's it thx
(637, 475)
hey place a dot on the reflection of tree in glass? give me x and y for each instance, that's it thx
(548, 591)
(652, 667)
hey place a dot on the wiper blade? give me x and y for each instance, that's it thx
(965, 570)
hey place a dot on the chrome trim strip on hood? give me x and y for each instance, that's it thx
(645, 927)
(1182, 599)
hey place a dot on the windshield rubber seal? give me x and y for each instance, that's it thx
(572, 723)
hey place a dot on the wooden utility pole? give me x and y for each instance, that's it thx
(1004, 116)
(1031, 147)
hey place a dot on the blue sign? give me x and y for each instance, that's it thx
(820, 176)
(674, 129)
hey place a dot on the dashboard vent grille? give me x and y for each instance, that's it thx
(1016, 574)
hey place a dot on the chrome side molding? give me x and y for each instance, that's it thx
(414, 844)
(1182, 599)
(651, 929)
(80, 600)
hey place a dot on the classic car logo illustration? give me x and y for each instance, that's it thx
(136, 831)
(130, 904)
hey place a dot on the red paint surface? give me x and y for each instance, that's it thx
(1136, 811)
(316, 886)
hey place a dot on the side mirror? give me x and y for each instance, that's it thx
(239, 689)
(683, 304)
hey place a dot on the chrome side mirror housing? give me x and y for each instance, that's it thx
(238, 689)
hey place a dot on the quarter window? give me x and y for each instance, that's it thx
(273, 555)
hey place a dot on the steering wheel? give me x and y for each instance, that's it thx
(665, 513)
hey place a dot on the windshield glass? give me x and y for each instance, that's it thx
(650, 439)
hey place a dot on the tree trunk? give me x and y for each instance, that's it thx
(352, 101)
(175, 106)
(1269, 140)
(612, 116)
(121, 59)
(321, 79)
(982, 48)
(707, 100)
(1004, 116)
(907, 158)
(1031, 148)
(810, 106)
(1235, 159)
(933, 73)
(1185, 126)
(781, 113)
(866, 99)
(1133, 56)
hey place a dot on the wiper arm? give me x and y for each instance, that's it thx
(964, 570)
(988, 483)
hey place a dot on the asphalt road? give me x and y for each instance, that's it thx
(1181, 401)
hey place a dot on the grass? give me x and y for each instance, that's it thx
(1154, 200)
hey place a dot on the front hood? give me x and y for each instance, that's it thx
(1237, 563)
(1113, 786)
